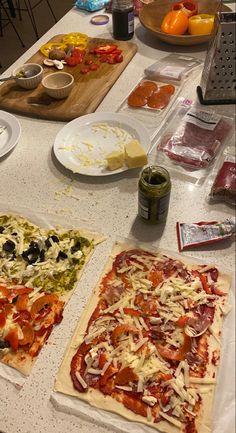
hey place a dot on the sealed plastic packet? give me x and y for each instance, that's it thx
(174, 67)
(193, 136)
(91, 5)
(224, 185)
(150, 100)
(203, 233)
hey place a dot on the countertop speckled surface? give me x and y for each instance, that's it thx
(32, 179)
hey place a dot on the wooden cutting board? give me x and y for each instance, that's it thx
(87, 93)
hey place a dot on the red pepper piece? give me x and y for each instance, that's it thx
(93, 67)
(88, 62)
(125, 376)
(178, 354)
(73, 61)
(182, 321)
(2, 318)
(132, 312)
(105, 49)
(12, 339)
(84, 71)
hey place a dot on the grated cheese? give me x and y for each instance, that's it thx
(170, 419)
(81, 380)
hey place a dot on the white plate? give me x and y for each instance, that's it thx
(82, 144)
(11, 133)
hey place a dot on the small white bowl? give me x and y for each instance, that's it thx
(36, 75)
(58, 84)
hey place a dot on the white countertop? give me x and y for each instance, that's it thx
(31, 178)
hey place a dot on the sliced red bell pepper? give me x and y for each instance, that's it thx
(182, 321)
(28, 334)
(132, 312)
(177, 354)
(2, 318)
(125, 376)
(204, 281)
(73, 60)
(120, 330)
(105, 49)
(41, 303)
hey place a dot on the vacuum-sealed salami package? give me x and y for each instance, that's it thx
(191, 137)
(224, 185)
(174, 67)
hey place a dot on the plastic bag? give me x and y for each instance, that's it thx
(173, 67)
(91, 5)
(224, 185)
(193, 136)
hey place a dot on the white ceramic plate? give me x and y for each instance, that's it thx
(10, 131)
(82, 144)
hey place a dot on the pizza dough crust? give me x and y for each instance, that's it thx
(63, 382)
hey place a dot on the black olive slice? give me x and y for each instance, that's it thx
(61, 256)
(9, 246)
(4, 344)
(32, 254)
(54, 238)
(76, 247)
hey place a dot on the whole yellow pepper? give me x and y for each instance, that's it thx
(201, 24)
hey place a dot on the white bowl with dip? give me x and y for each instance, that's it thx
(58, 85)
(28, 75)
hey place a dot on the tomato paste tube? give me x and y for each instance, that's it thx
(203, 233)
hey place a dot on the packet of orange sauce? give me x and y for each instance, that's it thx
(203, 233)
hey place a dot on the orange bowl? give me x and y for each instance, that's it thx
(152, 14)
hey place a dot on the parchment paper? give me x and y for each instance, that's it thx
(47, 221)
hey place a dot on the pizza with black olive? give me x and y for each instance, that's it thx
(148, 344)
(39, 269)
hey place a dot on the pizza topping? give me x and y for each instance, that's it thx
(41, 258)
(147, 339)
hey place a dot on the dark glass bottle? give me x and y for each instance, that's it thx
(123, 19)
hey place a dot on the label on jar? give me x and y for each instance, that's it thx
(130, 22)
(153, 210)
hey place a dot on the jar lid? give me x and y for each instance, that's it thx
(100, 20)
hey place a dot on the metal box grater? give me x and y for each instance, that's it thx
(218, 81)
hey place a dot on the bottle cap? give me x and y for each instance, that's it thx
(100, 20)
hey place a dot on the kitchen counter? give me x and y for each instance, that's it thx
(32, 179)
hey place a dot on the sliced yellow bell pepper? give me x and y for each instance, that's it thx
(79, 40)
(52, 46)
(201, 24)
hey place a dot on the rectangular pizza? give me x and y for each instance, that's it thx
(147, 346)
(39, 269)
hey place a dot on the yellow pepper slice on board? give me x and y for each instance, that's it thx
(51, 46)
(201, 24)
(79, 40)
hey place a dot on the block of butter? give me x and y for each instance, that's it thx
(115, 160)
(135, 155)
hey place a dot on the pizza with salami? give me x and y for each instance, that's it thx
(147, 346)
(39, 269)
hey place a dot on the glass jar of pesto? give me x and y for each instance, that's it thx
(154, 194)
